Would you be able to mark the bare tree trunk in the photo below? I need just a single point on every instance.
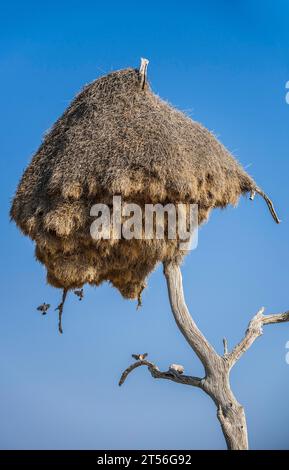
(216, 382)
(230, 413)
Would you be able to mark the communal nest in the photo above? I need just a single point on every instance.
(118, 138)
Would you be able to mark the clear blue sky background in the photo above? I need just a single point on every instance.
(226, 64)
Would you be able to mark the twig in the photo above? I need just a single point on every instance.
(225, 344)
(60, 310)
(143, 72)
(269, 204)
(139, 301)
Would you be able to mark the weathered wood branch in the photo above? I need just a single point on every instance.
(275, 318)
(157, 374)
(254, 330)
(268, 202)
(187, 326)
(143, 71)
(225, 344)
(216, 382)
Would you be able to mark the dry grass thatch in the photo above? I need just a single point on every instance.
(118, 138)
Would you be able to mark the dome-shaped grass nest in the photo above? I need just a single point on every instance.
(118, 138)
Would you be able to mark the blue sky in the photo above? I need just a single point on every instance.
(226, 64)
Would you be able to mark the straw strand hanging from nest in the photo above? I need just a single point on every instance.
(60, 310)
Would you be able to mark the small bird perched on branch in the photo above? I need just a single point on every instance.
(177, 368)
(43, 308)
(139, 357)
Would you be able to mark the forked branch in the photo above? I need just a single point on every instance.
(254, 330)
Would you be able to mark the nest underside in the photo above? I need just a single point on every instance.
(73, 257)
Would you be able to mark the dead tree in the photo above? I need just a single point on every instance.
(215, 383)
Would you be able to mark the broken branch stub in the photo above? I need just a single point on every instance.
(143, 72)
